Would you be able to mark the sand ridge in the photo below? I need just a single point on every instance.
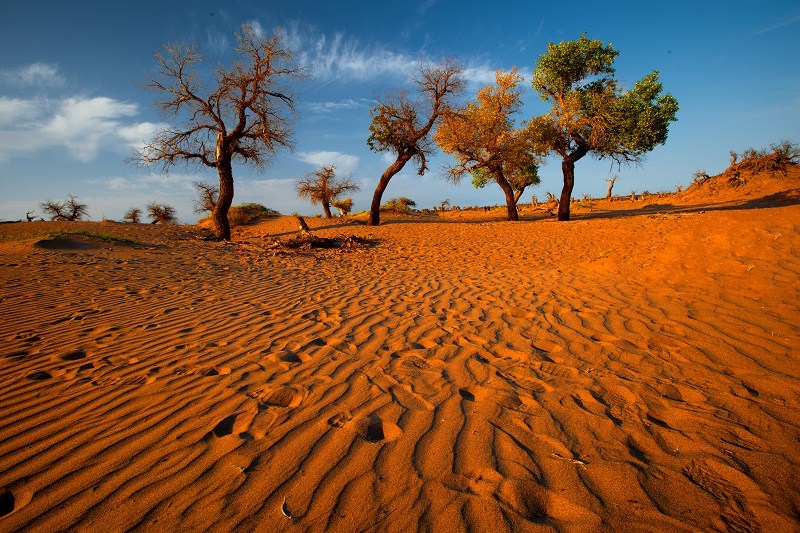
(634, 369)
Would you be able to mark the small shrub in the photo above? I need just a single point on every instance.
(400, 205)
(241, 215)
(161, 213)
(700, 176)
(133, 216)
(70, 209)
(344, 206)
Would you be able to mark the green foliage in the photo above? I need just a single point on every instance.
(518, 178)
(399, 205)
(568, 63)
(590, 112)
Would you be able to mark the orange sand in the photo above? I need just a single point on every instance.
(636, 369)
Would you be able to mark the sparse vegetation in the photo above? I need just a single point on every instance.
(774, 159)
(161, 213)
(68, 210)
(133, 215)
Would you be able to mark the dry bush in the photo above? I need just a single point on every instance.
(161, 213)
(70, 209)
(241, 215)
(344, 206)
(399, 205)
(133, 216)
(774, 160)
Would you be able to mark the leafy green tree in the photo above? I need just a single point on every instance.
(245, 115)
(401, 125)
(591, 113)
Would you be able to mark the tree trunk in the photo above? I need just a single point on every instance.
(220, 214)
(511, 201)
(610, 187)
(518, 195)
(327, 208)
(375, 209)
(568, 169)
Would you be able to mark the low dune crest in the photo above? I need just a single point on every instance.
(634, 369)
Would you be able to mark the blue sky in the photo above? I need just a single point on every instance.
(72, 103)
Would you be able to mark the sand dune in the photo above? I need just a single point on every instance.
(634, 369)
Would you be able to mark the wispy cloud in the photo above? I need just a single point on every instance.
(790, 20)
(345, 163)
(329, 107)
(81, 125)
(33, 75)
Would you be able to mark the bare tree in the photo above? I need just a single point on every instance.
(161, 213)
(402, 125)
(207, 195)
(245, 116)
(322, 187)
(134, 215)
(70, 209)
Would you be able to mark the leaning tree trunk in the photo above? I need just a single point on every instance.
(511, 201)
(220, 214)
(327, 208)
(375, 209)
(568, 169)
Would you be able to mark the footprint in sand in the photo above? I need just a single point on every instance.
(74, 355)
(339, 420)
(215, 371)
(290, 396)
(376, 430)
(40, 375)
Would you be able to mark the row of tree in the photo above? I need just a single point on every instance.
(248, 113)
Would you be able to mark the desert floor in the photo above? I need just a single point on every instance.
(637, 368)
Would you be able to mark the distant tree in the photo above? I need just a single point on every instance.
(244, 116)
(591, 114)
(611, 181)
(322, 187)
(399, 205)
(207, 195)
(344, 206)
(134, 215)
(482, 137)
(70, 209)
(401, 125)
(161, 213)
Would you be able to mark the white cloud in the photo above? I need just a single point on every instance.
(81, 125)
(479, 75)
(338, 57)
(328, 107)
(16, 109)
(33, 75)
(345, 163)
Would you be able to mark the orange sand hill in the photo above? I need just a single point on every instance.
(636, 369)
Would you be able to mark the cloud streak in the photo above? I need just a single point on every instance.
(345, 163)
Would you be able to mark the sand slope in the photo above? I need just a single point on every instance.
(634, 369)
